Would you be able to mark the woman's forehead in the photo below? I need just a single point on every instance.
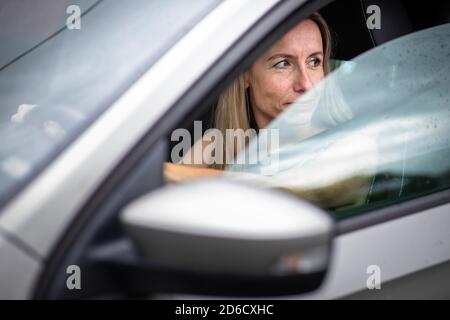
(304, 38)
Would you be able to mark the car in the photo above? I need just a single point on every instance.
(89, 100)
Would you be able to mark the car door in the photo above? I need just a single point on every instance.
(95, 231)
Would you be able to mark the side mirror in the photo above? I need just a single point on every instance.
(232, 239)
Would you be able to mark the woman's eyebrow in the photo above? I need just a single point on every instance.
(281, 55)
(287, 55)
(316, 53)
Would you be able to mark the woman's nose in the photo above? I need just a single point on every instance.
(302, 82)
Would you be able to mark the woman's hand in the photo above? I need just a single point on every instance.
(179, 173)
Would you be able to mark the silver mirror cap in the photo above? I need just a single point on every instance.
(220, 227)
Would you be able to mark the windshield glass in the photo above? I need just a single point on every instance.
(376, 131)
(58, 73)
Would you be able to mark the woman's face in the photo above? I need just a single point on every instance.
(285, 72)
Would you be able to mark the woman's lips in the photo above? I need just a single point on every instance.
(301, 102)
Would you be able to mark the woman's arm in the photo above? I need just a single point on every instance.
(179, 173)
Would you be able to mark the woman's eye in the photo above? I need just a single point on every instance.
(315, 62)
(282, 64)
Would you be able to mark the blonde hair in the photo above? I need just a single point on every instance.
(232, 107)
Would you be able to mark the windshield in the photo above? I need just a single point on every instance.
(376, 131)
(57, 73)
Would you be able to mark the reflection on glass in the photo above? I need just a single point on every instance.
(378, 133)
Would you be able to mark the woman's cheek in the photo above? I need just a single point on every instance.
(317, 77)
(275, 96)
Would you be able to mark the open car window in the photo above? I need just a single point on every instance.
(374, 132)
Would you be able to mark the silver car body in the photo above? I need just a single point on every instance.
(33, 222)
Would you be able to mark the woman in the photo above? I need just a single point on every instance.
(279, 77)
(333, 173)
